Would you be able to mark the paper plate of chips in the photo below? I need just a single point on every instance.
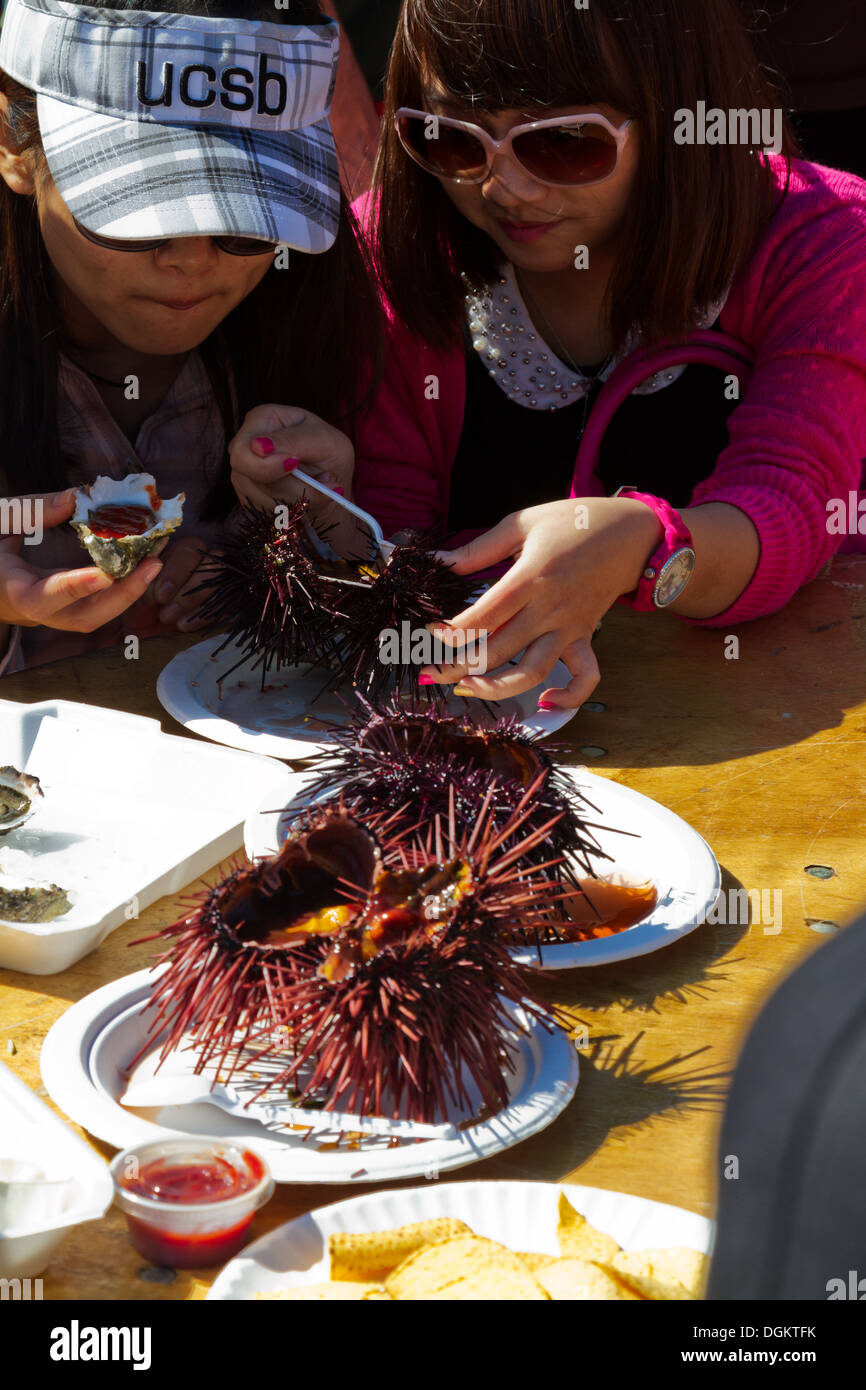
(479, 1241)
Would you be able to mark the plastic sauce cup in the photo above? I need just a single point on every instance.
(189, 1202)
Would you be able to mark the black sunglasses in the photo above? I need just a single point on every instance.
(232, 245)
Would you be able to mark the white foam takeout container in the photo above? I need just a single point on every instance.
(129, 814)
(51, 1180)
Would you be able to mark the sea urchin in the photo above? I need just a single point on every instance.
(284, 604)
(420, 760)
(374, 969)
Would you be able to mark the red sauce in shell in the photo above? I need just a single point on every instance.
(112, 521)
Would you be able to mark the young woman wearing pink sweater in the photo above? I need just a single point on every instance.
(523, 263)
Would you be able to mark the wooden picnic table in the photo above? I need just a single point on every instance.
(763, 753)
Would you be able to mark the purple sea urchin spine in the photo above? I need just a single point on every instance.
(282, 605)
(414, 1004)
(414, 589)
(265, 590)
(417, 759)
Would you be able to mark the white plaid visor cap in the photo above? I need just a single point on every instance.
(168, 125)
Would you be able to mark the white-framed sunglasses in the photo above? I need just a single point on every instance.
(563, 151)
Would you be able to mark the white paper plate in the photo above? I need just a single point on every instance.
(669, 854)
(84, 1052)
(280, 721)
(521, 1215)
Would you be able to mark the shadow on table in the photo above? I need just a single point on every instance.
(688, 969)
(675, 695)
(617, 1096)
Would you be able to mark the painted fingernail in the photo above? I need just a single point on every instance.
(265, 444)
(163, 592)
(545, 705)
(170, 614)
(341, 490)
(426, 680)
(289, 465)
(461, 689)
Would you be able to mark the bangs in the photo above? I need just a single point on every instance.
(499, 55)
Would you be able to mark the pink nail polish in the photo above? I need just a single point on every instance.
(289, 465)
(545, 706)
(341, 490)
(265, 444)
(426, 680)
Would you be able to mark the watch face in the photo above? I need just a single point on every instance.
(674, 575)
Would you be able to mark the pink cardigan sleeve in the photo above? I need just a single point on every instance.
(798, 439)
(406, 443)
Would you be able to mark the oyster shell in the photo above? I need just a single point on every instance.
(32, 902)
(121, 522)
(18, 791)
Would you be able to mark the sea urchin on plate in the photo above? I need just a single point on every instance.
(375, 968)
(283, 603)
(420, 761)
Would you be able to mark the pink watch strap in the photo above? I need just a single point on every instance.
(676, 537)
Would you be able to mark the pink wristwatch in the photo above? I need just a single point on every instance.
(671, 566)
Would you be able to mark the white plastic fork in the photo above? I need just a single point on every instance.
(385, 548)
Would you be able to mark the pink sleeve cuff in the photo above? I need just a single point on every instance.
(785, 540)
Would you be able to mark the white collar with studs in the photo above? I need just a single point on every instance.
(525, 367)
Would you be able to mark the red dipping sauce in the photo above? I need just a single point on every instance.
(189, 1203)
(111, 521)
(196, 1182)
(186, 1252)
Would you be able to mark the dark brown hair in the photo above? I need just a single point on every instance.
(696, 211)
(307, 335)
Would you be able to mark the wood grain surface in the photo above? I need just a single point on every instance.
(764, 754)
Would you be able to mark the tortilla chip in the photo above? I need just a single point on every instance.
(675, 1273)
(578, 1239)
(432, 1269)
(571, 1279)
(682, 1265)
(343, 1293)
(373, 1255)
(494, 1284)
(534, 1261)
